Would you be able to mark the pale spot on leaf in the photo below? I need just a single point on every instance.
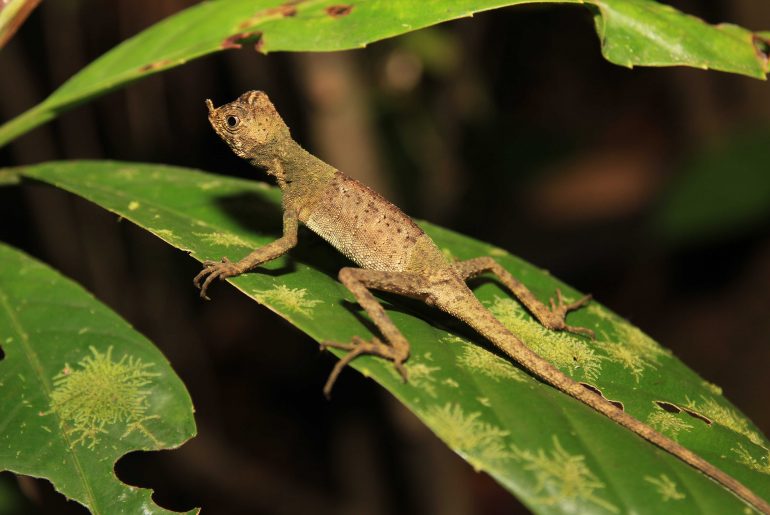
(628, 357)
(290, 299)
(166, 234)
(761, 465)
(561, 349)
(421, 376)
(713, 388)
(126, 173)
(209, 185)
(479, 442)
(668, 423)
(101, 394)
(133, 205)
(224, 239)
(665, 487)
(727, 417)
(450, 383)
(484, 362)
(562, 477)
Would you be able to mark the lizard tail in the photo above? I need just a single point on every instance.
(473, 313)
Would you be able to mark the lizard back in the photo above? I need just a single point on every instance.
(364, 226)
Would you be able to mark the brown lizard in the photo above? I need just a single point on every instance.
(394, 255)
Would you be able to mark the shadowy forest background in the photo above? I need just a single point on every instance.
(649, 188)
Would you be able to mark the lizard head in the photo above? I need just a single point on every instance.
(250, 125)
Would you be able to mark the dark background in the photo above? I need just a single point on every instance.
(508, 126)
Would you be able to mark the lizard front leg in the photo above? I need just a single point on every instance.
(552, 318)
(395, 348)
(226, 268)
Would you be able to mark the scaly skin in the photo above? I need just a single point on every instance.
(397, 256)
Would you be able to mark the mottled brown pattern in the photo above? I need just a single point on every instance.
(377, 235)
(396, 256)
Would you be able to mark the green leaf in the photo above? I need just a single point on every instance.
(12, 16)
(553, 452)
(720, 193)
(80, 388)
(632, 32)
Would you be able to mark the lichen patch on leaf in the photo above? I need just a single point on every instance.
(713, 388)
(210, 185)
(497, 251)
(166, 234)
(562, 477)
(561, 349)
(127, 173)
(629, 347)
(629, 335)
(101, 394)
(480, 443)
(665, 487)
(640, 342)
(224, 239)
(448, 381)
(628, 357)
(669, 423)
(484, 362)
(421, 376)
(291, 299)
(727, 417)
(761, 465)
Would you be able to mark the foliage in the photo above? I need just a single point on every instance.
(80, 388)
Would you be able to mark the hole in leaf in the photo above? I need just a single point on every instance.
(152, 470)
(697, 415)
(592, 388)
(761, 46)
(598, 392)
(243, 38)
(2, 353)
(667, 406)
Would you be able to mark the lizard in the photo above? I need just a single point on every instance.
(394, 255)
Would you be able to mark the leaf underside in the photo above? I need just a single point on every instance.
(554, 453)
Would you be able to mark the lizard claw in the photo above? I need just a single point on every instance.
(213, 270)
(358, 347)
(559, 310)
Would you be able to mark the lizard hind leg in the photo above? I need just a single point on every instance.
(394, 346)
(552, 318)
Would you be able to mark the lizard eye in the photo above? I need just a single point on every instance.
(232, 121)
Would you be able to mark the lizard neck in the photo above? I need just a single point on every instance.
(292, 166)
(302, 177)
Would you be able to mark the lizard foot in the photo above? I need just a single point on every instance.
(558, 314)
(358, 347)
(213, 270)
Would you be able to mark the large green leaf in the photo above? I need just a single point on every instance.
(80, 388)
(553, 452)
(633, 33)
